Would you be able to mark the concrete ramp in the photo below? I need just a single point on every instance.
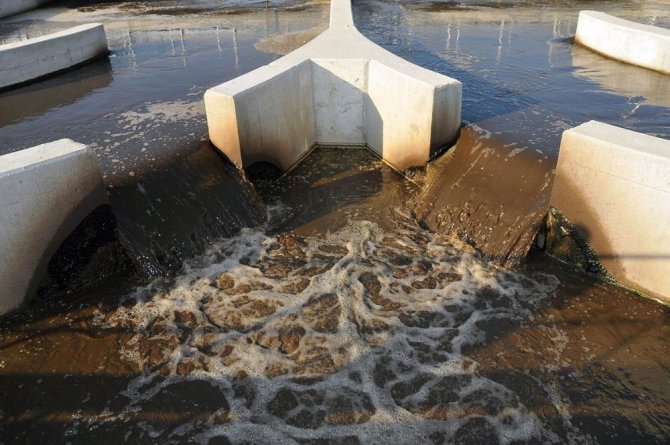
(339, 89)
(45, 192)
(614, 186)
(630, 42)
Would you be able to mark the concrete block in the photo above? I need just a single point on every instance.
(614, 185)
(45, 192)
(35, 58)
(11, 7)
(359, 94)
(630, 42)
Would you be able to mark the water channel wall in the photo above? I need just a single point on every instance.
(45, 192)
(339, 89)
(34, 58)
(630, 42)
(11, 7)
(614, 186)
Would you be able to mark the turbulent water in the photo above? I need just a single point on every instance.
(362, 334)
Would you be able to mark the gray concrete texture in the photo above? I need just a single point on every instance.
(614, 186)
(34, 58)
(630, 42)
(11, 7)
(45, 192)
(339, 89)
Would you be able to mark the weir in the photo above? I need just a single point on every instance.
(339, 89)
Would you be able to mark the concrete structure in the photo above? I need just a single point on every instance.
(339, 89)
(614, 185)
(45, 192)
(630, 42)
(11, 7)
(34, 58)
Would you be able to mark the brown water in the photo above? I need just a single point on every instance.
(353, 315)
(361, 332)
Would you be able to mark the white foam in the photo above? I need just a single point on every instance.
(432, 294)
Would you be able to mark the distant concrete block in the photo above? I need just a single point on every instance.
(34, 58)
(11, 7)
(339, 89)
(614, 186)
(45, 192)
(630, 42)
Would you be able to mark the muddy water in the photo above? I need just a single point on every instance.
(345, 318)
(368, 330)
(524, 83)
(141, 111)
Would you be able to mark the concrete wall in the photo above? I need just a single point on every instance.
(630, 42)
(360, 94)
(265, 115)
(11, 7)
(45, 192)
(614, 185)
(34, 58)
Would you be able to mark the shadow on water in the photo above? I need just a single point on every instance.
(38, 98)
(333, 185)
(207, 199)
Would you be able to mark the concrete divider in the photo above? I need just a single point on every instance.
(45, 192)
(339, 89)
(34, 58)
(630, 42)
(11, 7)
(614, 186)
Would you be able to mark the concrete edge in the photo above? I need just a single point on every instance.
(615, 190)
(13, 7)
(230, 120)
(45, 192)
(630, 42)
(29, 60)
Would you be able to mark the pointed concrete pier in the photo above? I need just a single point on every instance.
(339, 89)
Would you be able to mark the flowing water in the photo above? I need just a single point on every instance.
(349, 310)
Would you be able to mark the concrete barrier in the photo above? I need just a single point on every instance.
(339, 89)
(614, 186)
(11, 7)
(45, 192)
(35, 58)
(630, 42)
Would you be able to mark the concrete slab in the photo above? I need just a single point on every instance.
(630, 42)
(339, 89)
(614, 186)
(34, 58)
(11, 7)
(45, 192)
